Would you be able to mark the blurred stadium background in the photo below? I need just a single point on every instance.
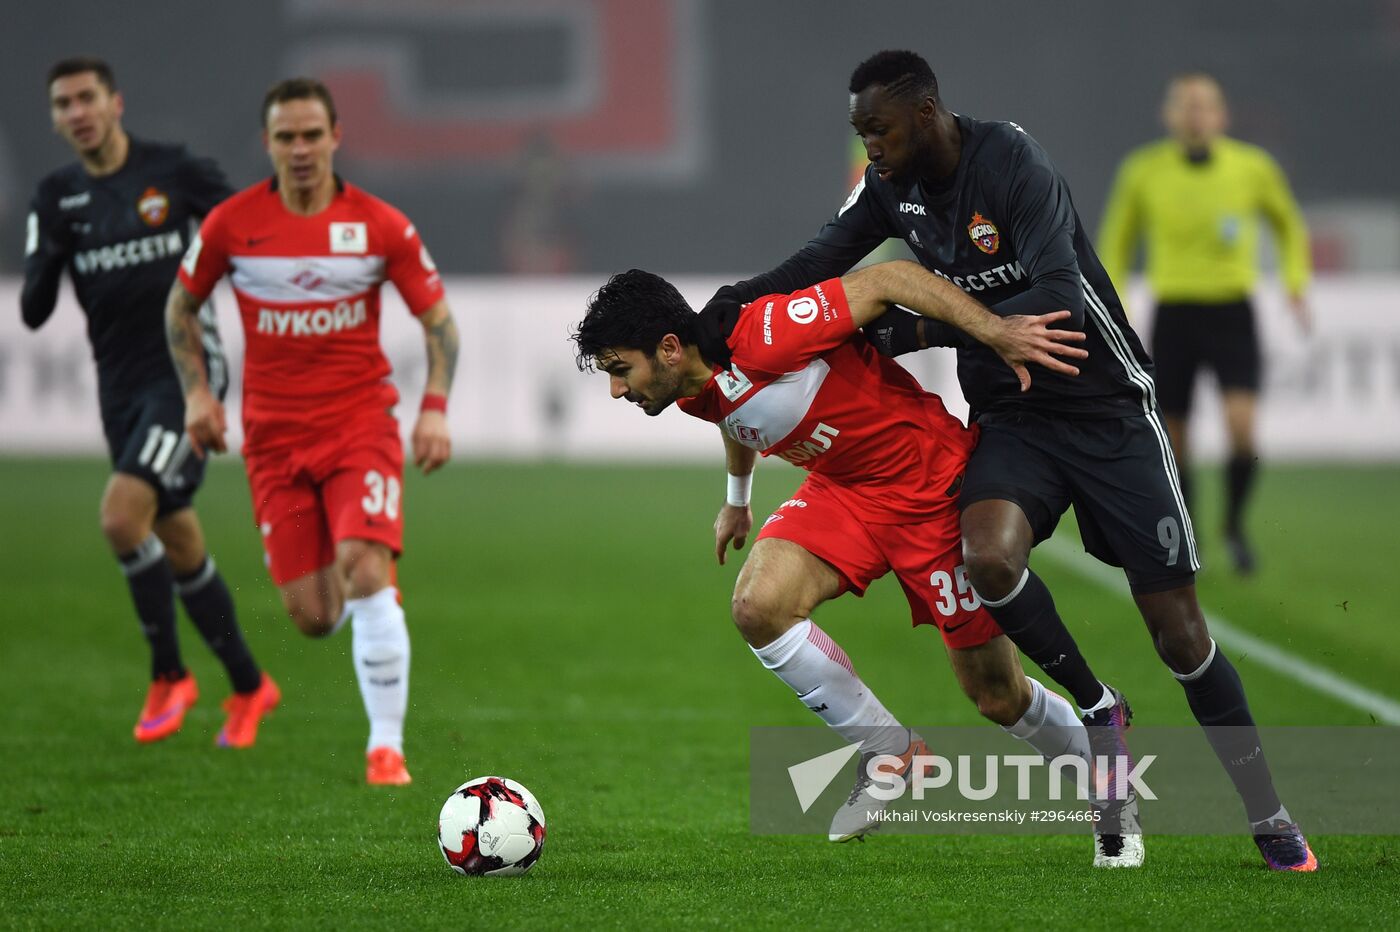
(555, 142)
(540, 145)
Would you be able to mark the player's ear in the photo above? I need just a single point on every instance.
(118, 104)
(928, 111)
(670, 350)
(336, 132)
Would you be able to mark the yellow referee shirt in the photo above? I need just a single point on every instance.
(1199, 222)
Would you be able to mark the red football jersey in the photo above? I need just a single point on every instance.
(803, 385)
(308, 295)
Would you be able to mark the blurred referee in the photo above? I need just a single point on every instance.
(1194, 201)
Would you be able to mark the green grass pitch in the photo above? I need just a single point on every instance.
(570, 629)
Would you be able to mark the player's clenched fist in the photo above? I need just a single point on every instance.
(205, 422)
(432, 446)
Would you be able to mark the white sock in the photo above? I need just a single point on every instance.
(380, 647)
(344, 617)
(1280, 816)
(818, 670)
(1052, 727)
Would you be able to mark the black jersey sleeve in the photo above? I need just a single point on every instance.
(850, 236)
(46, 251)
(205, 184)
(858, 227)
(1042, 224)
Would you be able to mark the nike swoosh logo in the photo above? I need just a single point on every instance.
(162, 718)
(951, 628)
(379, 663)
(253, 241)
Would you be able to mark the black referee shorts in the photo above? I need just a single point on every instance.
(1119, 475)
(1186, 337)
(146, 438)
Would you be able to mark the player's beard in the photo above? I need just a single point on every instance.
(665, 389)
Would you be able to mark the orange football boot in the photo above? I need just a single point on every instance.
(167, 701)
(385, 767)
(245, 712)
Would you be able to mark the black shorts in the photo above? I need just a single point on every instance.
(1119, 475)
(146, 438)
(1186, 337)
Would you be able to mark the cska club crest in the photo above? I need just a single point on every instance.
(153, 207)
(984, 234)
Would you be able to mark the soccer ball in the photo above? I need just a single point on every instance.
(492, 826)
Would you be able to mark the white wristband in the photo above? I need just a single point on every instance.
(738, 492)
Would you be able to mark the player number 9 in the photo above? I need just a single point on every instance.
(1169, 536)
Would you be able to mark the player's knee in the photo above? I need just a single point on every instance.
(1178, 630)
(312, 617)
(760, 617)
(364, 566)
(185, 556)
(999, 703)
(123, 530)
(993, 568)
(1181, 651)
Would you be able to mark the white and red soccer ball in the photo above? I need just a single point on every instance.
(492, 826)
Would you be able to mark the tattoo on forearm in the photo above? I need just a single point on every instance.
(183, 334)
(442, 354)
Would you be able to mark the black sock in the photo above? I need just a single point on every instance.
(210, 607)
(150, 580)
(1029, 618)
(1239, 479)
(1217, 699)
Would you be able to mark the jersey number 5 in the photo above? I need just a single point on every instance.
(809, 449)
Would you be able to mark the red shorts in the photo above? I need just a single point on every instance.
(926, 557)
(310, 497)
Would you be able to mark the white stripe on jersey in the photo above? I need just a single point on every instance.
(855, 196)
(1113, 336)
(306, 278)
(777, 408)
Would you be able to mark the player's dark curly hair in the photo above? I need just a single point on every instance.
(82, 65)
(634, 310)
(904, 75)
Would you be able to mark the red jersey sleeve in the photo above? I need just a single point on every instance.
(783, 333)
(407, 263)
(206, 261)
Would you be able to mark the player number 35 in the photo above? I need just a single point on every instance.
(381, 495)
(954, 591)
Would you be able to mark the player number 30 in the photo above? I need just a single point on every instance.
(382, 495)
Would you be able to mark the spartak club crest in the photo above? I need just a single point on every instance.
(153, 207)
(984, 234)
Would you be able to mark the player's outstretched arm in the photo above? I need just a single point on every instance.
(184, 334)
(1018, 340)
(432, 444)
(735, 519)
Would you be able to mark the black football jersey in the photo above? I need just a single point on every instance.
(121, 238)
(1004, 229)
